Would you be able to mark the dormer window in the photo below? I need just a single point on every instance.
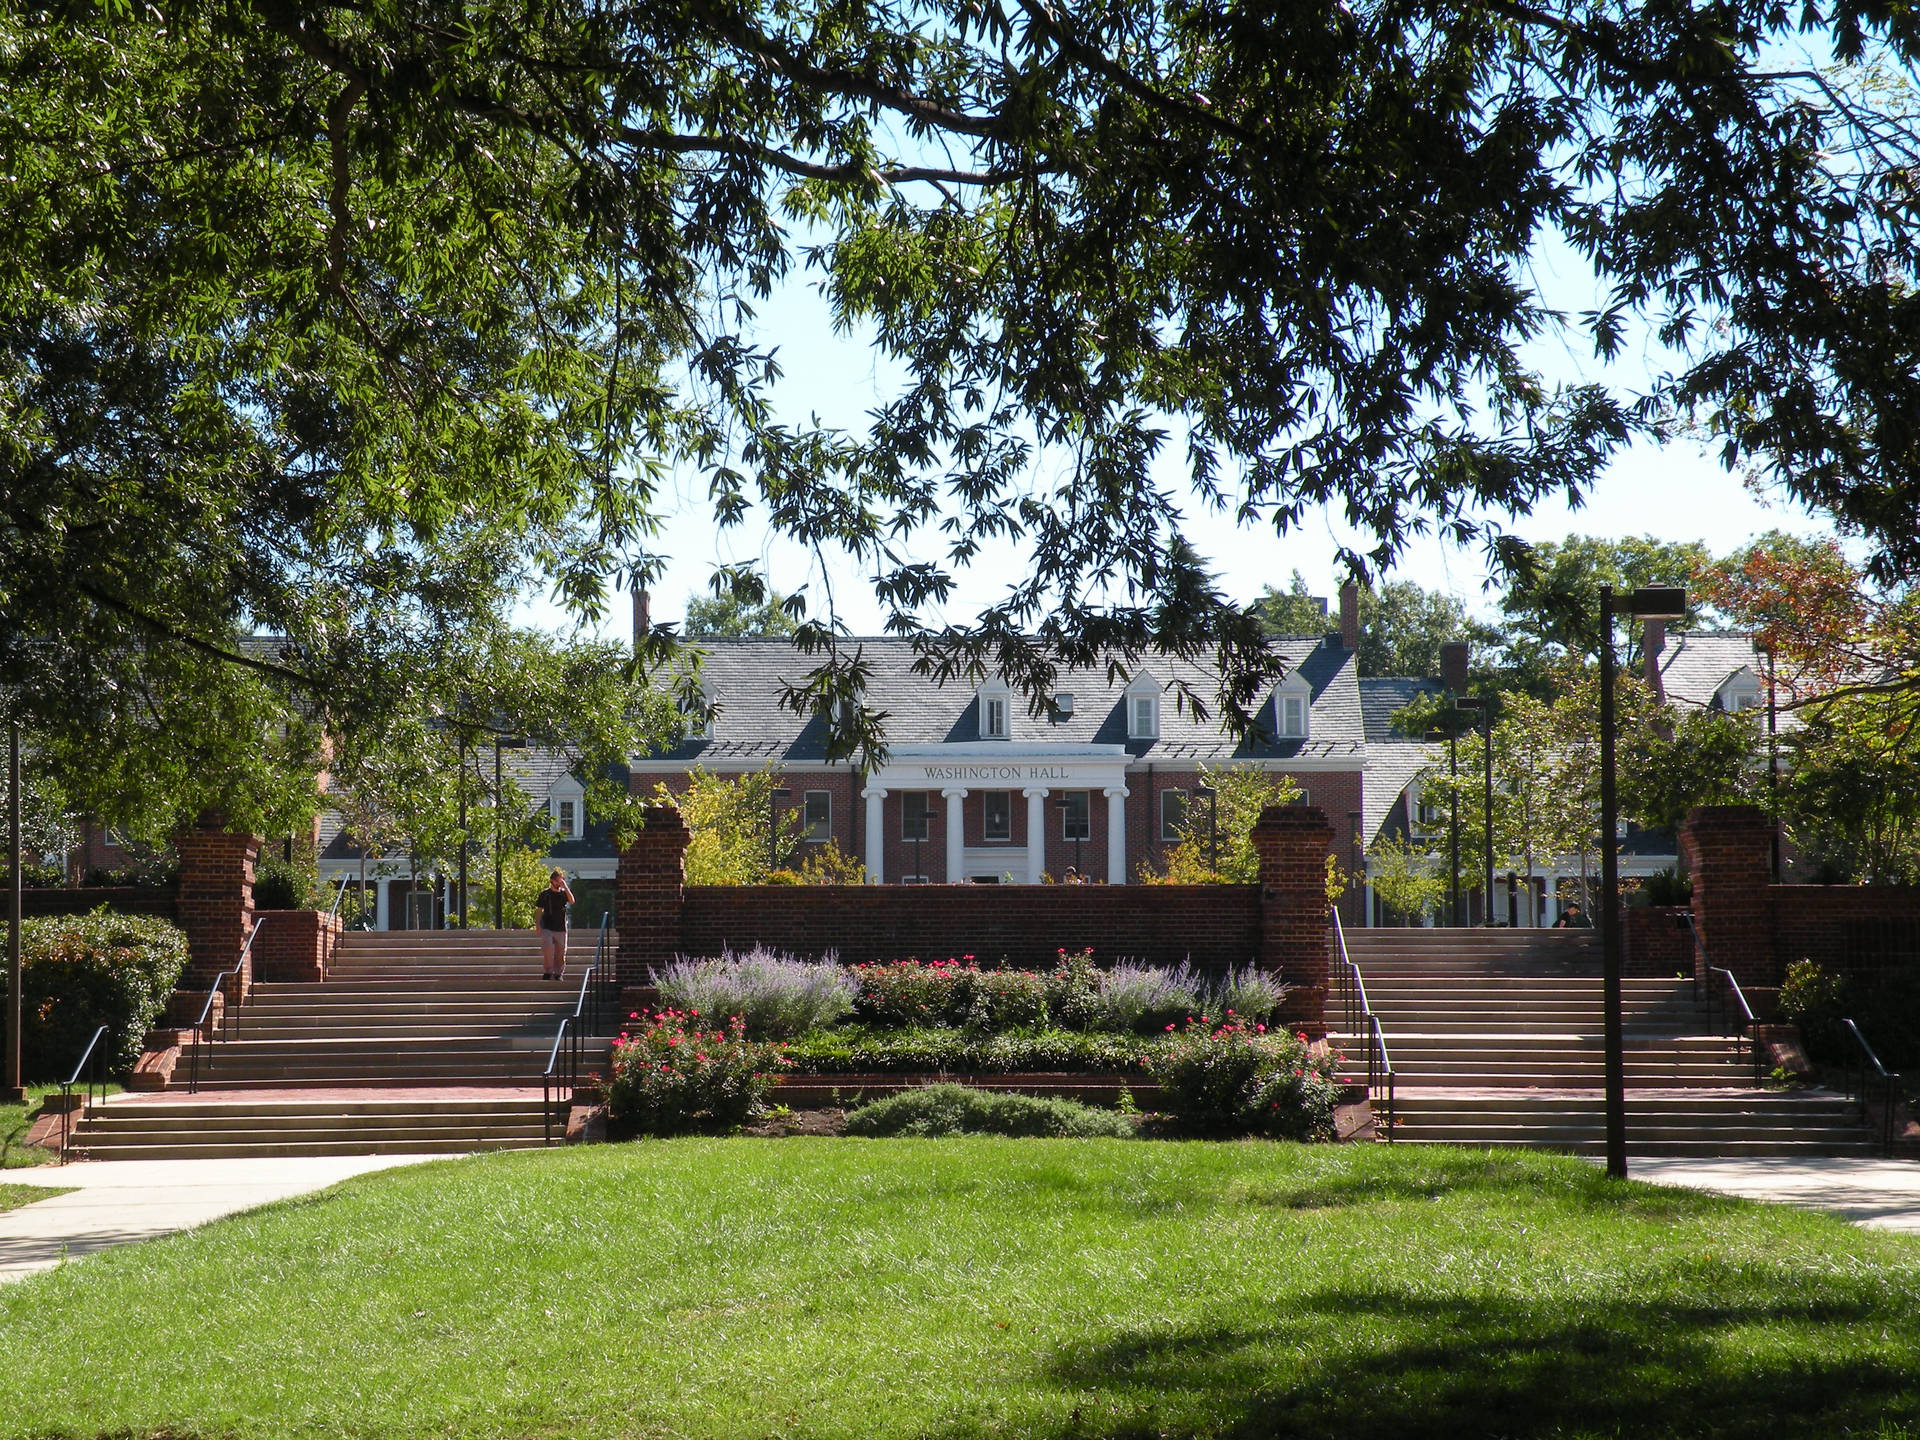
(996, 711)
(1143, 708)
(1292, 708)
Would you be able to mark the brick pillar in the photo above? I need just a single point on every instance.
(215, 903)
(1728, 851)
(648, 893)
(1293, 842)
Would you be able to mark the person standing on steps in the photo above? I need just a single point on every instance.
(552, 925)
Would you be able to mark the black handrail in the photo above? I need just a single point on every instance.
(1748, 1028)
(66, 1088)
(1872, 1074)
(229, 1016)
(1360, 1020)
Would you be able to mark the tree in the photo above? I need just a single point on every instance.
(1851, 799)
(750, 610)
(736, 838)
(1203, 856)
(337, 301)
(1551, 607)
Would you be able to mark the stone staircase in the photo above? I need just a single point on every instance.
(1496, 1038)
(418, 1042)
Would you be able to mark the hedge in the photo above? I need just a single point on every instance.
(83, 971)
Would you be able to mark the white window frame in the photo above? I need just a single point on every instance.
(1291, 692)
(824, 831)
(986, 828)
(1086, 816)
(926, 810)
(1169, 829)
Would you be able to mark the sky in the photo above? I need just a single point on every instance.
(1673, 492)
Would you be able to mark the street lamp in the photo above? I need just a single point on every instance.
(1452, 737)
(1212, 794)
(774, 797)
(1659, 603)
(1478, 705)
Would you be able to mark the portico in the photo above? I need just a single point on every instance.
(999, 771)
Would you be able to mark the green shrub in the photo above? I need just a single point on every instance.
(857, 1050)
(961, 1110)
(282, 884)
(1243, 1080)
(83, 971)
(669, 1078)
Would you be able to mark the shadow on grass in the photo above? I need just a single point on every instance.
(1421, 1369)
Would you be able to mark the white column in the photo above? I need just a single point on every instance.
(956, 835)
(1036, 835)
(1117, 835)
(876, 836)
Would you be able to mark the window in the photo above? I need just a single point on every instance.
(996, 814)
(916, 815)
(1293, 717)
(817, 816)
(1173, 813)
(1074, 824)
(1144, 720)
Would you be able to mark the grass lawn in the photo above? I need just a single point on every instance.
(12, 1197)
(948, 1288)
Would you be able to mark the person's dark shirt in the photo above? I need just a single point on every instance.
(553, 909)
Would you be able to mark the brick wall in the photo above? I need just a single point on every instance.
(215, 900)
(1654, 940)
(1280, 923)
(294, 945)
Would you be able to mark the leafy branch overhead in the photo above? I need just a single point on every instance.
(339, 320)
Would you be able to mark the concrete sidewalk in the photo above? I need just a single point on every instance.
(1877, 1194)
(115, 1202)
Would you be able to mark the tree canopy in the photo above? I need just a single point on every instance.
(336, 319)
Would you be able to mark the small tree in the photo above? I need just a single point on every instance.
(735, 838)
(1200, 857)
(1407, 877)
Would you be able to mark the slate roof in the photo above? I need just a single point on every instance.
(744, 678)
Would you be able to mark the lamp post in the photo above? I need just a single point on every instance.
(1065, 802)
(1452, 737)
(1479, 705)
(774, 797)
(1213, 826)
(500, 742)
(11, 1088)
(1662, 603)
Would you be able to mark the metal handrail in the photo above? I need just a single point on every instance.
(1749, 1027)
(1360, 1019)
(1886, 1080)
(229, 1017)
(66, 1088)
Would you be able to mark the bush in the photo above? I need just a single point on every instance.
(1147, 997)
(777, 995)
(1250, 994)
(961, 1110)
(282, 884)
(670, 1078)
(920, 1048)
(1237, 1079)
(83, 971)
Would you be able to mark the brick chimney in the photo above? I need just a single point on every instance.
(1350, 615)
(1653, 639)
(642, 618)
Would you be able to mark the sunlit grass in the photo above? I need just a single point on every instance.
(907, 1288)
